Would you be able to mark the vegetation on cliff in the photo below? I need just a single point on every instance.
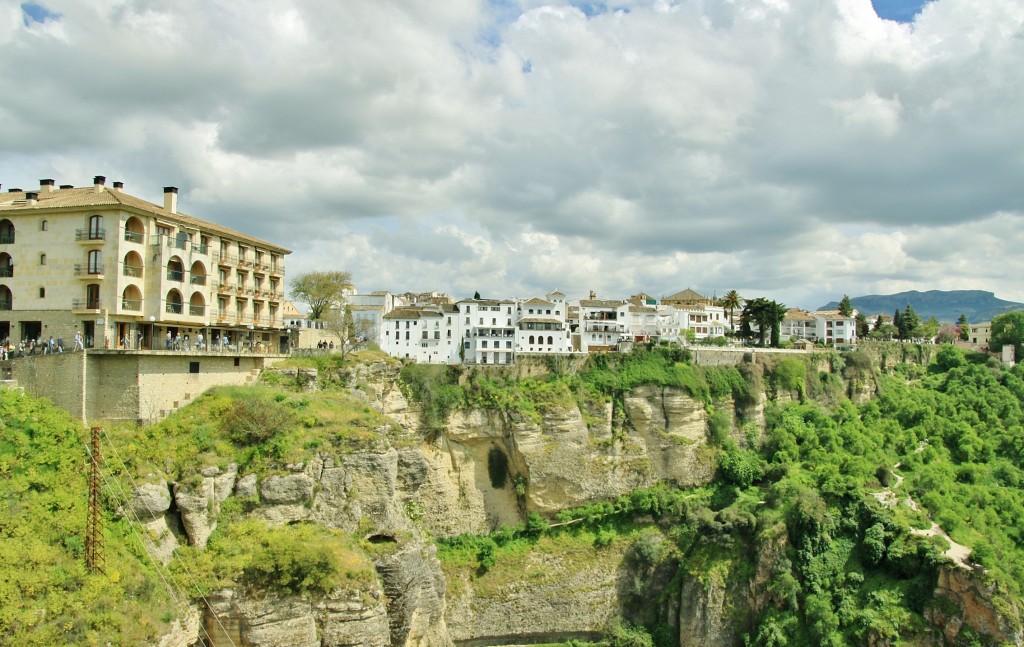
(47, 597)
(821, 531)
(816, 530)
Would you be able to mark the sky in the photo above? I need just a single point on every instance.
(794, 149)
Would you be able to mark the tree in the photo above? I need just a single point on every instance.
(910, 324)
(731, 302)
(863, 327)
(964, 326)
(321, 291)
(846, 306)
(928, 329)
(1008, 330)
(476, 295)
(765, 315)
(897, 321)
(350, 332)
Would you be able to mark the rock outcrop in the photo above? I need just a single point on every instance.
(965, 600)
(150, 505)
(339, 619)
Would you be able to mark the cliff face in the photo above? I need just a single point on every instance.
(399, 493)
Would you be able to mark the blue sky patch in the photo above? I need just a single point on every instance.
(36, 13)
(899, 10)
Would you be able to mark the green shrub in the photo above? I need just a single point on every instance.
(294, 559)
(255, 419)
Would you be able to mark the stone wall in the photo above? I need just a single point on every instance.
(131, 385)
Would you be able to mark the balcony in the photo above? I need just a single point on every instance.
(132, 305)
(174, 308)
(201, 249)
(7, 271)
(175, 275)
(5, 305)
(277, 269)
(197, 311)
(7, 239)
(223, 287)
(133, 271)
(133, 237)
(86, 304)
(89, 271)
(90, 235)
(226, 259)
(198, 280)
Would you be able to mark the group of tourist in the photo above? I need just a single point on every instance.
(37, 346)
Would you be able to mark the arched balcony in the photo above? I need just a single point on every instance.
(6, 232)
(131, 299)
(173, 302)
(197, 305)
(198, 274)
(175, 270)
(6, 265)
(132, 265)
(6, 298)
(134, 230)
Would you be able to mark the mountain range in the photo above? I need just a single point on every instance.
(944, 305)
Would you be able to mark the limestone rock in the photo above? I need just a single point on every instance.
(293, 488)
(200, 504)
(415, 590)
(246, 487)
(977, 605)
(183, 631)
(149, 501)
(554, 597)
(286, 499)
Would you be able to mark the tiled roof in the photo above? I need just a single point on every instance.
(795, 314)
(686, 295)
(600, 303)
(537, 302)
(78, 198)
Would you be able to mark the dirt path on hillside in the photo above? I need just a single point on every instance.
(958, 553)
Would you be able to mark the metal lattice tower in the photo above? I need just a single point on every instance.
(94, 522)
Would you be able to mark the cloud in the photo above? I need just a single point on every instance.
(796, 148)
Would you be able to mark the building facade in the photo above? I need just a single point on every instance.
(122, 272)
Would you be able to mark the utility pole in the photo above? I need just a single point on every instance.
(93, 525)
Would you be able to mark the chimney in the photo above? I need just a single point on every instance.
(171, 199)
(118, 186)
(31, 197)
(98, 182)
(45, 186)
(593, 295)
(67, 186)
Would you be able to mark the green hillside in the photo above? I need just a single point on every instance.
(815, 531)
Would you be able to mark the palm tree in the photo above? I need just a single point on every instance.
(732, 301)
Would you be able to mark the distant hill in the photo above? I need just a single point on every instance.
(945, 305)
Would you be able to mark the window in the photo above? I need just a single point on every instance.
(42, 259)
(483, 344)
(95, 227)
(44, 225)
(42, 293)
(95, 262)
(508, 344)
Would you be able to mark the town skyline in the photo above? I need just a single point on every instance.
(790, 149)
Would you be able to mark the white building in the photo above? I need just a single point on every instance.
(428, 334)
(488, 330)
(542, 326)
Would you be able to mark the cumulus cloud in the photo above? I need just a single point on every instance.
(795, 148)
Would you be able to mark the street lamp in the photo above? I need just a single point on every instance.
(152, 332)
(209, 337)
(252, 345)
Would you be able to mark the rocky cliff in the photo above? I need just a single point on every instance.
(399, 494)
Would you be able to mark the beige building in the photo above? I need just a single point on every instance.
(124, 272)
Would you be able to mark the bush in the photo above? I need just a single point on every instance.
(255, 419)
(294, 559)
